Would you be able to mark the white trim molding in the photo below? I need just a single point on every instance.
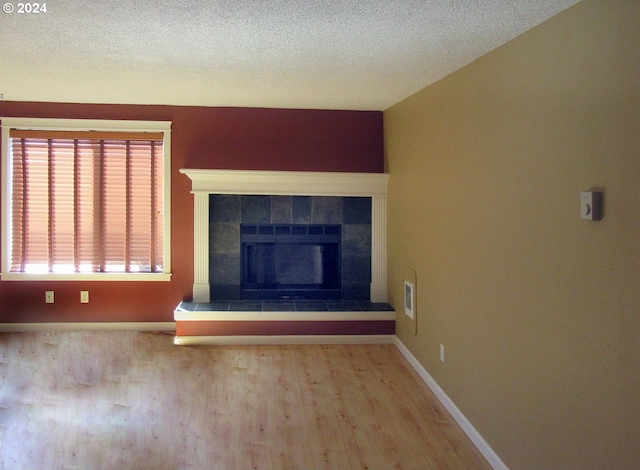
(281, 339)
(287, 183)
(379, 248)
(468, 428)
(201, 285)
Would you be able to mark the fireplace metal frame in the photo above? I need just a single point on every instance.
(254, 237)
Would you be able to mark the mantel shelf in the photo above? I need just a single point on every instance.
(290, 183)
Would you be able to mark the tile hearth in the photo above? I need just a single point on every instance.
(206, 320)
(285, 306)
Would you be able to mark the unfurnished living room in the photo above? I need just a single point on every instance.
(340, 234)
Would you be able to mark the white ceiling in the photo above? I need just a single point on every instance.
(324, 54)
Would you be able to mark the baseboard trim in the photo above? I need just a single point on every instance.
(77, 326)
(473, 434)
(283, 339)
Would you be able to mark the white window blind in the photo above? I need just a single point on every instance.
(87, 202)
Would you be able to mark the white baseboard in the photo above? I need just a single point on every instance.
(282, 339)
(95, 326)
(482, 445)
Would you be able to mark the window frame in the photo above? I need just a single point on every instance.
(50, 124)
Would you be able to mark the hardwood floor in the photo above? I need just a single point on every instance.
(127, 400)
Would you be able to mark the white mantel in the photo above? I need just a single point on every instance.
(288, 183)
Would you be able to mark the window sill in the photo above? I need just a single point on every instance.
(140, 277)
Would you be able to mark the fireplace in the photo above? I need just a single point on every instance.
(259, 241)
(290, 261)
(300, 186)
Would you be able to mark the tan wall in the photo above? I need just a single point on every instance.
(538, 310)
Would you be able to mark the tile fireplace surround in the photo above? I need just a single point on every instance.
(285, 183)
(259, 247)
(207, 321)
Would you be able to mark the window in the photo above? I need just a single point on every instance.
(85, 199)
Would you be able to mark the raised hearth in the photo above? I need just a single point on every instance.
(284, 322)
(202, 322)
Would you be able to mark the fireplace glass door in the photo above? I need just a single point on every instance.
(290, 261)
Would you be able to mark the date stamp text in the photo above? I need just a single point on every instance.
(25, 8)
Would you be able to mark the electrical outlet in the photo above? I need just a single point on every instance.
(442, 352)
(84, 296)
(48, 297)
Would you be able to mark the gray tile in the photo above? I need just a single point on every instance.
(224, 238)
(375, 307)
(356, 269)
(311, 306)
(277, 306)
(280, 209)
(213, 307)
(326, 210)
(224, 208)
(225, 292)
(356, 291)
(189, 306)
(301, 209)
(343, 305)
(356, 240)
(357, 210)
(245, 305)
(224, 269)
(255, 209)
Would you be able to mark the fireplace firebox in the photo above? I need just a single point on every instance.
(290, 261)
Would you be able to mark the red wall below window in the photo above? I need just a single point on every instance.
(221, 138)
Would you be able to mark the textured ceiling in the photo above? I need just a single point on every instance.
(325, 54)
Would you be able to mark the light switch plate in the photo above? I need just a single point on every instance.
(591, 205)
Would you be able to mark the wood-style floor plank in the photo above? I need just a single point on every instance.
(104, 400)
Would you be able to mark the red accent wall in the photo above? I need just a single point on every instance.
(278, 328)
(202, 137)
